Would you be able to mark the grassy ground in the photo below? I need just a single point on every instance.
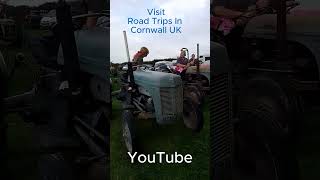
(23, 153)
(308, 146)
(170, 139)
(22, 150)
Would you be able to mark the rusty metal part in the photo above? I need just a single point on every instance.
(145, 116)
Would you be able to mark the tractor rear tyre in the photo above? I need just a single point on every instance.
(192, 114)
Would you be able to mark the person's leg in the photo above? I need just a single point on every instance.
(183, 74)
(233, 42)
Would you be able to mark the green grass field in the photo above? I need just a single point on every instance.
(152, 138)
(23, 153)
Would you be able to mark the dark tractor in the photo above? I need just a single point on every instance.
(258, 95)
(70, 104)
(196, 79)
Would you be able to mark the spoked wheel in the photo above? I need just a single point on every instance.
(128, 131)
(192, 115)
(101, 120)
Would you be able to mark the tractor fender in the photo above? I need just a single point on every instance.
(313, 47)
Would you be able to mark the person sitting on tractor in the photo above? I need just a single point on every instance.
(193, 61)
(138, 57)
(92, 6)
(229, 20)
(182, 64)
(233, 9)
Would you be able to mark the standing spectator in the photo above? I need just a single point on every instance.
(240, 11)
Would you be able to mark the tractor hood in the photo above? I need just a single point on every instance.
(93, 51)
(156, 79)
(300, 23)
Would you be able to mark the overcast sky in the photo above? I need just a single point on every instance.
(30, 2)
(195, 28)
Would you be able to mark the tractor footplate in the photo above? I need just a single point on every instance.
(145, 116)
(127, 107)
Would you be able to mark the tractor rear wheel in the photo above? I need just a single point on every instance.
(194, 93)
(192, 114)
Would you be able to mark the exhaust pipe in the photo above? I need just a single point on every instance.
(198, 62)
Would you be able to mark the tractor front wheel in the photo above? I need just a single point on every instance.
(128, 131)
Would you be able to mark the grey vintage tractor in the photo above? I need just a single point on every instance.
(259, 93)
(158, 96)
(70, 103)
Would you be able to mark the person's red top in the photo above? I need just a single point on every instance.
(138, 58)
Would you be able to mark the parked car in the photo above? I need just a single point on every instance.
(48, 20)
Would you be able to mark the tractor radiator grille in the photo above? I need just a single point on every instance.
(220, 119)
(171, 102)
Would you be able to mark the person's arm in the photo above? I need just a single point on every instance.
(225, 12)
(181, 65)
(192, 62)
